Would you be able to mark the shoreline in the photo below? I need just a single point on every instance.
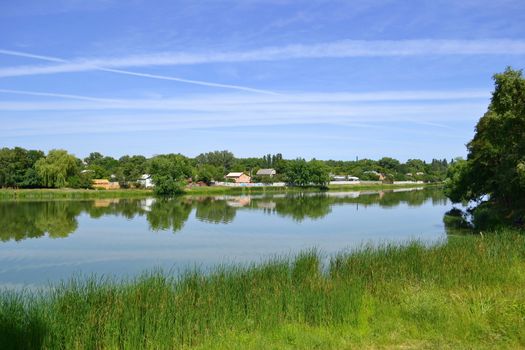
(66, 193)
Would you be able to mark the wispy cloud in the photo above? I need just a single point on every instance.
(89, 66)
(430, 109)
(337, 49)
(52, 94)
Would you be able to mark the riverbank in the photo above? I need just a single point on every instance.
(68, 193)
(465, 293)
(6, 194)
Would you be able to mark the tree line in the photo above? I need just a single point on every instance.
(21, 168)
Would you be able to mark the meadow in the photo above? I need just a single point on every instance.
(466, 292)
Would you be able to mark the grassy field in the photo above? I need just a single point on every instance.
(466, 293)
(6, 194)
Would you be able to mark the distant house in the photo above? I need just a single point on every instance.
(238, 177)
(266, 172)
(146, 181)
(105, 184)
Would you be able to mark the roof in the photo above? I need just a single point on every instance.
(235, 174)
(266, 172)
(145, 176)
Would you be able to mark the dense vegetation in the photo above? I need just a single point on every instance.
(465, 293)
(20, 168)
(494, 173)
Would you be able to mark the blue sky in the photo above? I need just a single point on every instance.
(324, 79)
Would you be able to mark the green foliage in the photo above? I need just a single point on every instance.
(102, 166)
(223, 159)
(170, 173)
(496, 154)
(82, 180)
(131, 168)
(17, 167)
(208, 173)
(56, 168)
(302, 173)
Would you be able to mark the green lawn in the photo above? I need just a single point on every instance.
(467, 293)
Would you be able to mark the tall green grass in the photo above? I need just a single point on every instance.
(465, 293)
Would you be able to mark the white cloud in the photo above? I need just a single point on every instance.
(429, 109)
(337, 49)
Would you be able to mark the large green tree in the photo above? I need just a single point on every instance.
(17, 167)
(169, 173)
(495, 166)
(56, 168)
(302, 173)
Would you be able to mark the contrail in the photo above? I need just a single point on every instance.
(29, 55)
(138, 74)
(52, 94)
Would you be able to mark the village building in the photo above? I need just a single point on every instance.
(104, 184)
(238, 177)
(146, 181)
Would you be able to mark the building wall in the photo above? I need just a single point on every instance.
(243, 179)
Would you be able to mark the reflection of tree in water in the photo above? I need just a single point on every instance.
(21, 220)
(302, 206)
(169, 213)
(214, 211)
(58, 219)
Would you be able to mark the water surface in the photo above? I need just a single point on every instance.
(47, 241)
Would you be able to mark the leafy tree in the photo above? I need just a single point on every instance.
(102, 166)
(208, 173)
(224, 159)
(298, 172)
(319, 173)
(17, 167)
(56, 168)
(389, 164)
(169, 173)
(302, 173)
(496, 155)
(131, 168)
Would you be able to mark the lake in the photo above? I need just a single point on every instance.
(49, 241)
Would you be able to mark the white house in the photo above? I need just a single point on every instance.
(146, 181)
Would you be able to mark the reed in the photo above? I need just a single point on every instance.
(464, 293)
